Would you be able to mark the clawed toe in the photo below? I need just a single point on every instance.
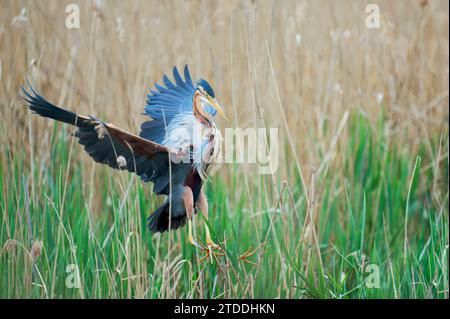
(195, 243)
(211, 250)
(248, 253)
(212, 245)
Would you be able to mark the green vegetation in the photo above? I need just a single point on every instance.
(362, 178)
(376, 202)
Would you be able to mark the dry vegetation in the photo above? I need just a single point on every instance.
(325, 62)
(311, 68)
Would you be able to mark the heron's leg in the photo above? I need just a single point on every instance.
(188, 199)
(202, 205)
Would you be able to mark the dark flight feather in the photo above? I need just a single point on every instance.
(106, 143)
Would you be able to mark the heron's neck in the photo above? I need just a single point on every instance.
(199, 114)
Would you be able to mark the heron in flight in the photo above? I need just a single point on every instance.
(174, 150)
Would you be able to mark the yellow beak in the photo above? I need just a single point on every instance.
(216, 106)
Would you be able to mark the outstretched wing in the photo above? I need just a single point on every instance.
(169, 101)
(108, 144)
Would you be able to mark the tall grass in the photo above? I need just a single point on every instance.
(359, 215)
(363, 164)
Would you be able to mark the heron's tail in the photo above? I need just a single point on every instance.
(39, 105)
(158, 221)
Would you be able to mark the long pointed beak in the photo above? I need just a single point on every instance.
(216, 106)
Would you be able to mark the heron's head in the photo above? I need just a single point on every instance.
(206, 106)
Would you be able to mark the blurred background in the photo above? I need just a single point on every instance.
(355, 108)
(311, 61)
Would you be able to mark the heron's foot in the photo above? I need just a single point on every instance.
(212, 251)
(212, 245)
(194, 242)
(248, 253)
